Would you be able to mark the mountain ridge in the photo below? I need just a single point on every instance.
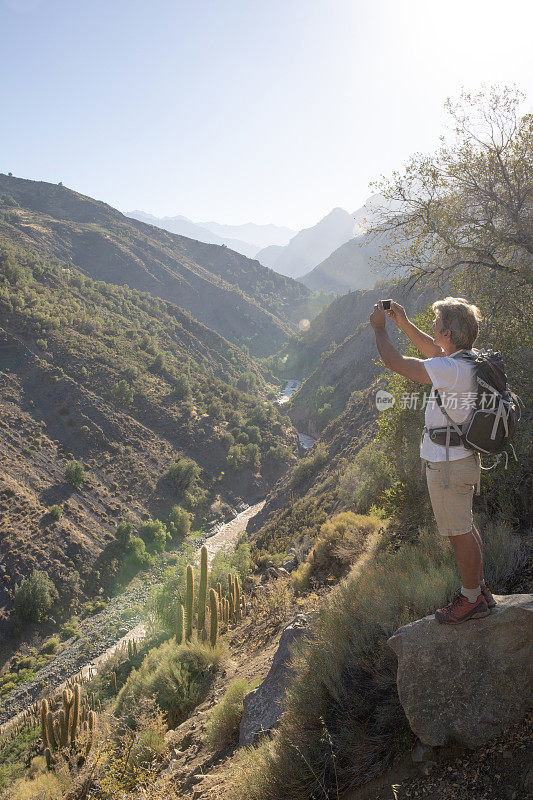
(243, 300)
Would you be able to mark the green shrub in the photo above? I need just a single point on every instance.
(176, 676)
(341, 540)
(223, 725)
(122, 393)
(179, 522)
(137, 555)
(308, 466)
(155, 535)
(51, 645)
(74, 474)
(238, 560)
(164, 600)
(124, 533)
(183, 473)
(55, 511)
(70, 628)
(236, 457)
(34, 597)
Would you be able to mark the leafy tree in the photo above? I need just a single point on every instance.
(123, 533)
(469, 205)
(179, 522)
(182, 388)
(155, 535)
(34, 597)
(122, 393)
(136, 550)
(253, 455)
(236, 456)
(74, 473)
(183, 473)
(254, 434)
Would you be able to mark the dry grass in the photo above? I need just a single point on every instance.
(341, 541)
(343, 723)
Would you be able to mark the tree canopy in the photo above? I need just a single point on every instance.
(469, 206)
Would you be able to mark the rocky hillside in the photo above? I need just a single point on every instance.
(309, 492)
(242, 300)
(124, 385)
(337, 355)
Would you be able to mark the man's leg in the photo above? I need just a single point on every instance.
(480, 543)
(468, 557)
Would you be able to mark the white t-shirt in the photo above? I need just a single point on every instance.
(454, 378)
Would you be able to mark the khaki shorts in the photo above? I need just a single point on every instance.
(452, 505)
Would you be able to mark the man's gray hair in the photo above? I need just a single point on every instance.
(461, 318)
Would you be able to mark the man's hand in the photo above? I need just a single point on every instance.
(397, 314)
(378, 316)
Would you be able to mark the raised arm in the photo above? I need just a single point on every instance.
(409, 367)
(421, 340)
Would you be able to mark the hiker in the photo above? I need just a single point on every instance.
(451, 471)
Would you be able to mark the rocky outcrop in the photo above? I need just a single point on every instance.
(264, 706)
(462, 684)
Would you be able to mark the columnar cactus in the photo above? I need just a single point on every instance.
(61, 733)
(50, 732)
(237, 597)
(189, 603)
(219, 590)
(226, 611)
(75, 715)
(180, 625)
(63, 728)
(92, 729)
(44, 723)
(202, 591)
(213, 609)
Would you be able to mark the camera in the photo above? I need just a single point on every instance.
(386, 304)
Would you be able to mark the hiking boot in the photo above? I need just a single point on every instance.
(487, 594)
(459, 610)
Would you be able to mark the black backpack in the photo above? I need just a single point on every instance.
(496, 413)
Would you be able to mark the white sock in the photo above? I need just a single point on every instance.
(471, 594)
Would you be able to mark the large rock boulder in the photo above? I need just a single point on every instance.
(264, 706)
(464, 683)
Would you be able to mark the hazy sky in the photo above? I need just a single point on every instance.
(237, 111)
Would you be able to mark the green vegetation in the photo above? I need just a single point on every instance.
(307, 466)
(177, 676)
(155, 535)
(122, 393)
(106, 337)
(341, 541)
(124, 533)
(51, 645)
(34, 597)
(223, 726)
(183, 474)
(343, 722)
(74, 474)
(12, 756)
(55, 511)
(179, 522)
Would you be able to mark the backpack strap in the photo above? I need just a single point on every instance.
(454, 425)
